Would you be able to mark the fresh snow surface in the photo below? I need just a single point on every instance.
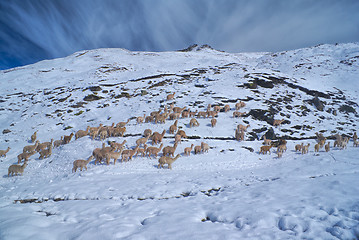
(227, 193)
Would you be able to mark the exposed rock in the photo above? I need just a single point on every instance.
(95, 88)
(92, 97)
(262, 115)
(6, 131)
(347, 109)
(318, 104)
(270, 134)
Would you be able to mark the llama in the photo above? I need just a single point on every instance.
(24, 156)
(193, 123)
(167, 160)
(67, 139)
(153, 150)
(265, 149)
(171, 96)
(173, 127)
(81, 164)
(298, 147)
(305, 148)
(188, 150)
(4, 152)
(169, 150)
(277, 122)
(213, 122)
(33, 137)
(266, 141)
(82, 133)
(15, 169)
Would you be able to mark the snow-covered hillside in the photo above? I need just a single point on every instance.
(231, 192)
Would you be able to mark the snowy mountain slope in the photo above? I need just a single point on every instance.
(229, 192)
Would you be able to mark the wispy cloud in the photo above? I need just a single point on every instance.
(35, 30)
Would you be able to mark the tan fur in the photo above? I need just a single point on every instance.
(174, 116)
(182, 133)
(67, 139)
(117, 146)
(44, 145)
(217, 108)
(343, 145)
(337, 143)
(100, 153)
(355, 137)
(81, 164)
(322, 143)
(113, 155)
(149, 119)
(178, 109)
(93, 132)
(58, 143)
(240, 105)
(173, 128)
(161, 118)
(185, 114)
(202, 114)
(153, 150)
(192, 114)
(238, 114)
(33, 137)
(243, 127)
(226, 108)
(188, 150)
(299, 147)
(82, 133)
(193, 123)
(45, 153)
(356, 143)
(147, 132)
(265, 149)
(327, 147)
(4, 152)
(167, 160)
(169, 150)
(239, 135)
(277, 122)
(170, 96)
(142, 151)
(266, 141)
(103, 134)
(155, 113)
(282, 148)
(213, 122)
(197, 149)
(122, 124)
(16, 169)
(24, 156)
(320, 137)
(316, 147)
(280, 154)
(31, 148)
(142, 141)
(157, 137)
(178, 138)
(129, 153)
(305, 148)
(119, 131)
(212, 114)
(141, 119)
(204, 147)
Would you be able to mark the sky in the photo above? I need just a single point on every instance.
(31, 31)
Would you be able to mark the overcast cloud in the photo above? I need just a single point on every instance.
(35, 30)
